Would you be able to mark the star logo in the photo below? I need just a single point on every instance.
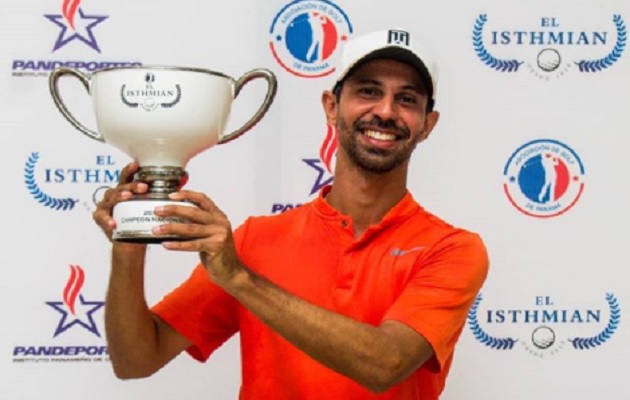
(325, 165)
(76, 313)
(323, 176)
(73, 28)
(82, 316)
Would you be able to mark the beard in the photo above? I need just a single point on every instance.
(372, 159)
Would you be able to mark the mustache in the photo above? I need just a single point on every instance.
(377, 123)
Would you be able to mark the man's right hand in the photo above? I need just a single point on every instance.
(125, 189)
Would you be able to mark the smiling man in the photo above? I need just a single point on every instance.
(359, 294)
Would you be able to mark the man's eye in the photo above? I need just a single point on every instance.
(408, 99)
(368, 91)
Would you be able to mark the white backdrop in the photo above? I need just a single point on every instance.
(519, 84)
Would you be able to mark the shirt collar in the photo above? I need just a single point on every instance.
(406, 207)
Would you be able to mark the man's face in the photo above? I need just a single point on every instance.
(381, 115)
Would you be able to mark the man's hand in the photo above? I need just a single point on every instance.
(123, 191)
(209, 233)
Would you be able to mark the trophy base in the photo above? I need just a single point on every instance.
(135, 221)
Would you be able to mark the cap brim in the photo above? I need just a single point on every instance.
(399, 54)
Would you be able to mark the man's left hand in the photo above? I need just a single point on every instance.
(209, 233)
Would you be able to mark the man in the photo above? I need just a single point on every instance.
(359, 294)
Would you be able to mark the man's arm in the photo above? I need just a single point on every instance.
(139, 343)
(375, 357)
(423, 323)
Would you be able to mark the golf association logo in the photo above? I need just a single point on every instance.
(543, 178)
(546, 328)
(548, 47)
(305, 37)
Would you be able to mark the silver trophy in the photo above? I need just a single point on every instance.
(161, 117)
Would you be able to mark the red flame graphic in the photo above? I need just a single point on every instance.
(70, 10)
(73, 287)
(329, 147)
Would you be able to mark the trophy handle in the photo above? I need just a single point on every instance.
(53, 84)
(272, 86)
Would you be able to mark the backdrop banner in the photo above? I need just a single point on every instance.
(526, 153)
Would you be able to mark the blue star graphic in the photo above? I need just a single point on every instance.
(323, 178)
(84, 25)
(68, 320)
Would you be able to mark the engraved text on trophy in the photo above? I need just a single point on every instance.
(150, 97)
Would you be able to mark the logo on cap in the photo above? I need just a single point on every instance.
(398, 37)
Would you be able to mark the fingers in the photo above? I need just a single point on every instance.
(125, 189)
(208, 239)
(207, 230)
(199, 199)
(126, 174)
(200, 223)
(205, 212)
(206, 223)
(192, 213)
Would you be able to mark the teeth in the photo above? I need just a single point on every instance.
(379, 135)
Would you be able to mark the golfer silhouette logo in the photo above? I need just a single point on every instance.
(549, 165)
(544, 178)
(305, 37)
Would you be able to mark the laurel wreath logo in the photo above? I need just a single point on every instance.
(583, 65)
(178, 97)
(36, 192)
(615, 54)
(483, 337)
(484, 55)
(579, 343)
(606, 334)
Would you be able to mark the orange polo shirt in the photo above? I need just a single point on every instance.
(412, 267)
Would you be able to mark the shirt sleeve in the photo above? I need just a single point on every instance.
(201, 311)
(438, 296)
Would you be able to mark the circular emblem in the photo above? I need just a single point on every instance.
(305, 37)
(544, 178)
(549, 60)
(543, 337)
(99, 194)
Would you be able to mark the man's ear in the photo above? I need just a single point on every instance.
(429, 124)
(330, 105)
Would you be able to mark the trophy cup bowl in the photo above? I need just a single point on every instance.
(161, 117)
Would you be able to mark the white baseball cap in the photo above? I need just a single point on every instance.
(396, 44)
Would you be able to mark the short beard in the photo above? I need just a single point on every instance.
(373, 160)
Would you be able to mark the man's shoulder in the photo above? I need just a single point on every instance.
(458, 247)
(445, 230)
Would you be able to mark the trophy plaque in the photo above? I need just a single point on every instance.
(161, 117)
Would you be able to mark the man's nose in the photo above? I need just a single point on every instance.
(385, 108)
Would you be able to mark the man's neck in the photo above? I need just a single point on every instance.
(366, 197)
